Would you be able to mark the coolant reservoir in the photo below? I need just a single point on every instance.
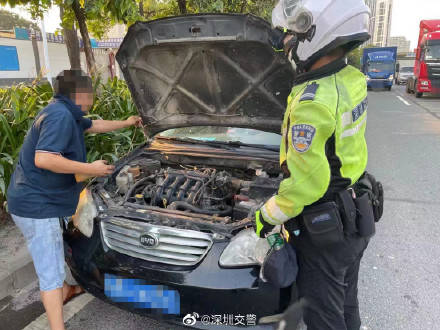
(124, 179)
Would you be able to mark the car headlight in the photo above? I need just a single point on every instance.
(390, 78)
(241, 250)
(85, 213)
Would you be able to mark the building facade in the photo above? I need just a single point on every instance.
(380, 22)
(402, 44)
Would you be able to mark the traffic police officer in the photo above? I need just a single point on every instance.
(323, 150)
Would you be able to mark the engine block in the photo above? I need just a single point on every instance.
(204, 191)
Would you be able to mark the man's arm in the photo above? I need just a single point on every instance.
(104, 126)
(59, 164)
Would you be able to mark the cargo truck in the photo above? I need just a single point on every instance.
(379, 66)
(426, 78)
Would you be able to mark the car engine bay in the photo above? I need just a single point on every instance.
(211, 191)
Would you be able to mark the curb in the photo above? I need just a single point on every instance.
(21, 274)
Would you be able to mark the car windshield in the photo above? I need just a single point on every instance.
(406, 69)
(433, 52)
(224, 134)
(380, 67)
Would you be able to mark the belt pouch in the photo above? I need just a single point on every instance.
(323, 224)
(348, 212)
(365, 217)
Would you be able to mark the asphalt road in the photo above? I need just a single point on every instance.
(400, 275)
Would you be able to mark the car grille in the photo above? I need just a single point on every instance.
(434, 71)
(435, 83)
(175, 246)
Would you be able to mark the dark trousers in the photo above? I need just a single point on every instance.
(327, 280)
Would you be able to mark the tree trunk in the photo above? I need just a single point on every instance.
(81, 19)
(182, 6)
(141, 8)
(72, 44)
(243, 6)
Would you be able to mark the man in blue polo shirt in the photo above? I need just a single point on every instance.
(46, 184)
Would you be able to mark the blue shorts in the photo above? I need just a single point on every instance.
(45, 243)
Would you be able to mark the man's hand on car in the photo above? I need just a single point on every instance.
(100, 168)
(134, 121)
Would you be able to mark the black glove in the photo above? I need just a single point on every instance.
(276, 39)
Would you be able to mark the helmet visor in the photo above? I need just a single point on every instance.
(289, 7)
(296, 15)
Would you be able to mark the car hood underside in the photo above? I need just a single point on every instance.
(205, 70)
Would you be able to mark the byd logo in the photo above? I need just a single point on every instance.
(149, 240)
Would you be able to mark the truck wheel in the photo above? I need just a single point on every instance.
(419, 95)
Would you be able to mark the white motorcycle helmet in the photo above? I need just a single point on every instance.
(321, 26)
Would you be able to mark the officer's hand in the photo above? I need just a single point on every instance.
(276, 39)
(100, 168)
(262, 228)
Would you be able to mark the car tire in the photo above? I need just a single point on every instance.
(389, 87)
(419, 95)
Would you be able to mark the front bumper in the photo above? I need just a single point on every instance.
(433, 87)
(205, 289)
(379, 83)
(402, 80)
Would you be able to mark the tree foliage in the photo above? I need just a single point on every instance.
(354, 57)
(99, 15)
(9, 20)
(161, 8)
(261, 8)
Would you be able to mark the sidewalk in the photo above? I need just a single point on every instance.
(16, 267)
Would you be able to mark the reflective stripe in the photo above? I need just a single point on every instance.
(354, 130)
(272, 213)
(347, 119)
(350, 117)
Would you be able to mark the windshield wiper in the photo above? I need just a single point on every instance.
(227, 145)
(258, 146)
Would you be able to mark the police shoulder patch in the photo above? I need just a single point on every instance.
(309, 92)
(302, 137)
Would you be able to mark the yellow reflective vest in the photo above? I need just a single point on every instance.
(323, 139)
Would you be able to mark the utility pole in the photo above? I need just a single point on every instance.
(36, 53)
(46, 52)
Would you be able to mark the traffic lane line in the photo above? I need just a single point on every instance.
(423, 104)
(69, 310)
(403, 100)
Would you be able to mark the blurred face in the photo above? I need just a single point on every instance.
(83, 99)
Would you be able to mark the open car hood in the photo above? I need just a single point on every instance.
(206, 70)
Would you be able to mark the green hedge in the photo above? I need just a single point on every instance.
(20, 104)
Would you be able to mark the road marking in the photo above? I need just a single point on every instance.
(403, 100)
(69, 310)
